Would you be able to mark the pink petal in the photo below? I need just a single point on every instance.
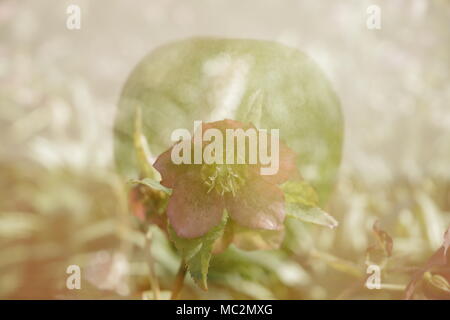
(258, 205)
(191, 210)
(287, 167)
(222, 125)
(168, 170)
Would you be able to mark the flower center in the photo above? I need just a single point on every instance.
(223, 177)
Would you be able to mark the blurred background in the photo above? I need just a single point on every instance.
(62, 202)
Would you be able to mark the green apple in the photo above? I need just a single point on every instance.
(212, 79)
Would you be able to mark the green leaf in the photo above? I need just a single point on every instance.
(300, 192)
(152, 184)
(256, 239)
(338, 263)
(253, 289)
(142, 149)
(186, 247)
(312, 215)
(198, 266)
(197, 252)
(302, 204)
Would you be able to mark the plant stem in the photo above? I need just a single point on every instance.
(179, 280)
(154, 284)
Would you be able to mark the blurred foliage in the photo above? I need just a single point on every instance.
(51, 218)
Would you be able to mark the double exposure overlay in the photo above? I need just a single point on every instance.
(224, 149)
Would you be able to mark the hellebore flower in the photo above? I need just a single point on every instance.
(202, 192)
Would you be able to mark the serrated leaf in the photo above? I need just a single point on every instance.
(153, 184)
(198, 265)
(300, 192)
(302, 204)
(197, 252)
(186, 247)
(312, 215)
